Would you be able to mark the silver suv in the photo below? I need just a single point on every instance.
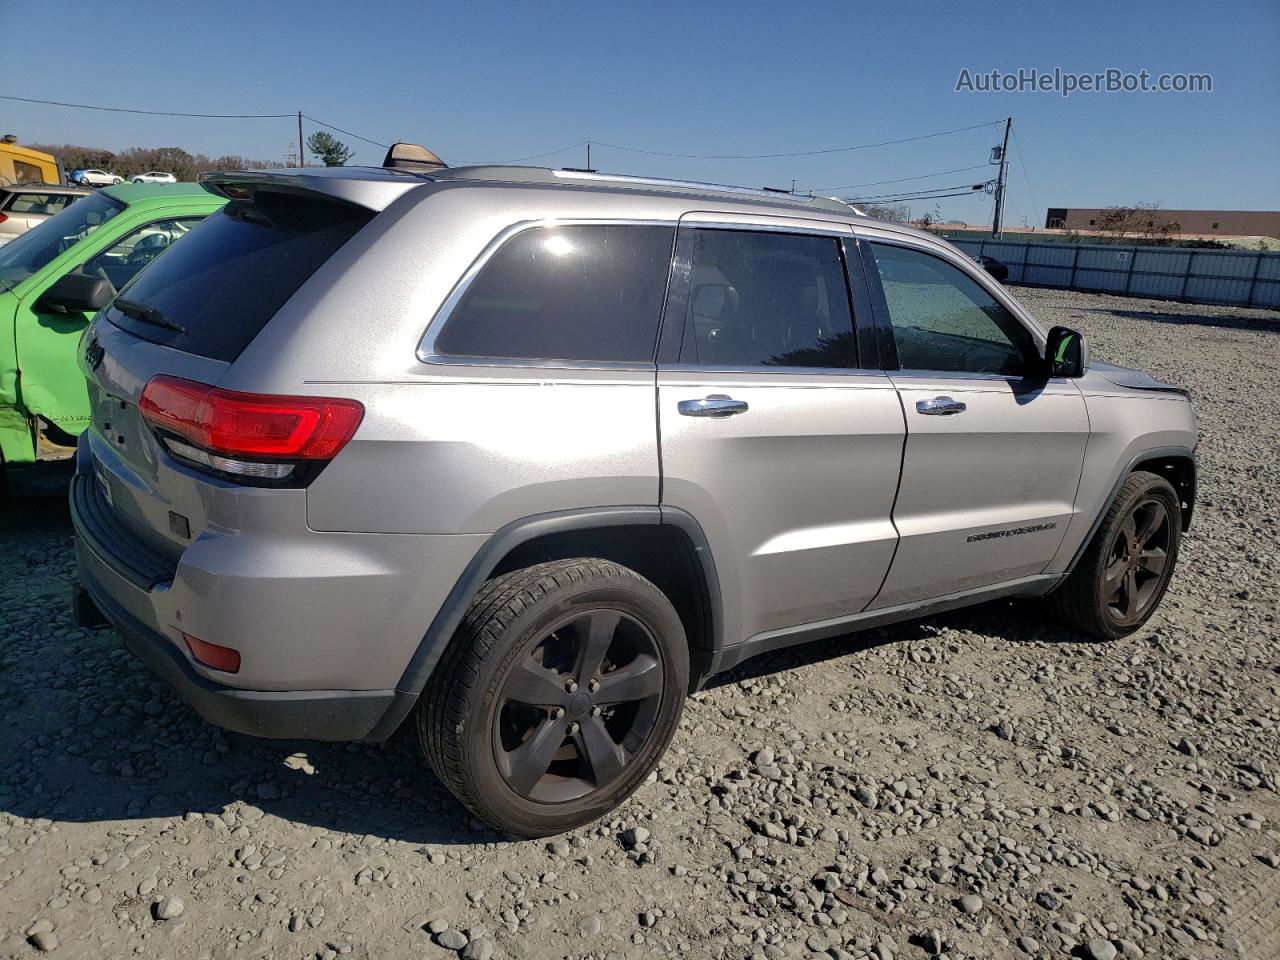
(524, 456)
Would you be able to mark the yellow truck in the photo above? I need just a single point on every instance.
(21, 165)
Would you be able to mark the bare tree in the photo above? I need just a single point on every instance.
(892, 212)
(1142, 220)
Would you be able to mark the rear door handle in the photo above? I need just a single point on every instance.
(940, 407)
(717, 406)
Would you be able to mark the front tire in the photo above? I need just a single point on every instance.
(557, 696)
(1120, 580)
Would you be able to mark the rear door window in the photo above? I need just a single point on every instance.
(588, 292)
(215, 291)
(764, 299)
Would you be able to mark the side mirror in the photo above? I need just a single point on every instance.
(1066, 353)
(76, 293)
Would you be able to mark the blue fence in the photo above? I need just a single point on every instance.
(1233, 277)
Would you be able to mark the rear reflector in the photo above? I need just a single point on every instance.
(211, 655)
(249, 425)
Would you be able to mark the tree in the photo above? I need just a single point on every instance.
(331, 151)
(892, 212)
(1143, 219)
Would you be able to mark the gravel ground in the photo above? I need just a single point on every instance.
(975, 785)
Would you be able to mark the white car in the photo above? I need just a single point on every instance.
(154, 176)
(95, 178)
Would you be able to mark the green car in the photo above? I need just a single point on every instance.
(53, 278)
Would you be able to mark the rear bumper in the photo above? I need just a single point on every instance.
(276, 714)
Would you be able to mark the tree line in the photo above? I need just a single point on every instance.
(183, 165)
(135, 160)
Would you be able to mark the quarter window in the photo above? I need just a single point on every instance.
(944, 320)
(766, 299)
(587, 292)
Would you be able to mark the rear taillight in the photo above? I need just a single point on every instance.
(249, 436)
(3, 217)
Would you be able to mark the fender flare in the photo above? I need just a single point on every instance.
(1152, 453)
(447, 619)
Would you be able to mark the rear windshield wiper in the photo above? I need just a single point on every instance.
(145, 313)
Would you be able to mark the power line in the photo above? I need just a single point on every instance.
(908, 193)
(346, 132)
(876, 183)
(798, 153)
(1026, 179)
(877, 201)
(154, 113)
(549, 153)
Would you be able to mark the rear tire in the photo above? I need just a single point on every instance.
(1125, 570)
(557, 696)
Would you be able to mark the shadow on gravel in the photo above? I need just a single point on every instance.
(1222, 321)
(89, 735)
(1016, 621)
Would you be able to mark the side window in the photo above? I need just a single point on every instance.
(944, 320)
(119, 262)
(577, 292)
(766, 299)
(40, 203)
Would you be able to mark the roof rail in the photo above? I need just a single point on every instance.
(517, 174)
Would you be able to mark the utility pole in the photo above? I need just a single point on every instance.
(997, 219)
(302, 157)
(588, 154)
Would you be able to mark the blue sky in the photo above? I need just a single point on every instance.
(480, 81)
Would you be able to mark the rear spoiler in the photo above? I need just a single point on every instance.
(372, 188)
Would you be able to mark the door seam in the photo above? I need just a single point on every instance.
(902, 464)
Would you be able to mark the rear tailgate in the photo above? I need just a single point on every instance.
(189, 315)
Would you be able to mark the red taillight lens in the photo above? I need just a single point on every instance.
(3, 217)
(226, 659)
(250, 424)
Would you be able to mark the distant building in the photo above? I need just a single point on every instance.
(1227, 223)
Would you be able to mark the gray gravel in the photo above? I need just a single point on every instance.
(976, 785)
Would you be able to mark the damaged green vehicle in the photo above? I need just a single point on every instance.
(53, 279)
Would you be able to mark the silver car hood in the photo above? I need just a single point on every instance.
(1133, 379)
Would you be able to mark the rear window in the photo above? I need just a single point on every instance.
(229, 275)
(589, 292)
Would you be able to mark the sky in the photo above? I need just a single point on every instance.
(478, 81)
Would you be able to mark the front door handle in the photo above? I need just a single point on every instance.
(717, 406)
(940, 407)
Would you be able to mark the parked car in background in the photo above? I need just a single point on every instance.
(522, 456)
(24, 165)
(53, 278)
(28, 205)
(94, 178)
(154, 176)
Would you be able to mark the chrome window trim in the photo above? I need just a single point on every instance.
(426, 345)
(821, 228)
(914, 374)
(791, 371)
